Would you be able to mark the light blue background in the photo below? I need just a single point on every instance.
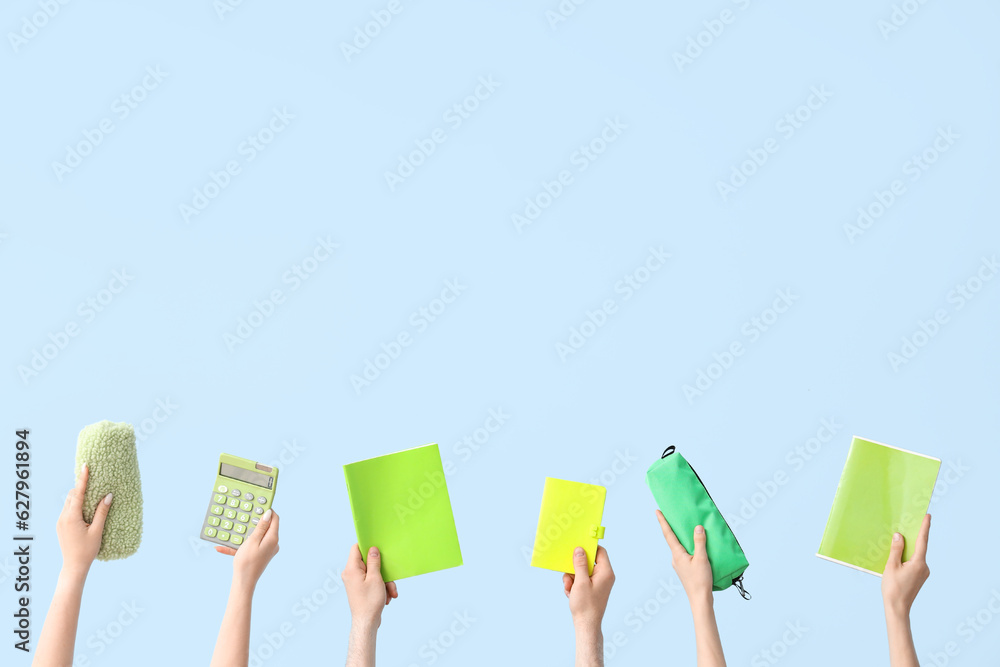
(495, 346)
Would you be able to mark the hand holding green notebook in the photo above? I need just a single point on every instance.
(883, 490)
(400, 505)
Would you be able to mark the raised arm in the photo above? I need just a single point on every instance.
(695, 573)
(232, 648)
(900, 584)
(588, 598)
(79, 543)
(367, 595)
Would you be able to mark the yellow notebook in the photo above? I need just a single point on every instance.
(570, 517)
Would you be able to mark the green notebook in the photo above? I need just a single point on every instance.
(883, 490)
(400, 505)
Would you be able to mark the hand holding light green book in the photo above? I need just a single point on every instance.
(400, 504)
(883, 490)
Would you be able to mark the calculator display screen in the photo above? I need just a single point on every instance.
(244, 475)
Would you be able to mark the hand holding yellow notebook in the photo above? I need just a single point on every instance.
(570, 517)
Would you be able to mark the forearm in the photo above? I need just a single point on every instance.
(361, 644)
(902, 653)
(55, 645)
(589, 646)
(232, 648)
(706, 632)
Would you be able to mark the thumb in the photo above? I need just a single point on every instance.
(580, 565)
(895, 551)
(258, 533)
(101, 513)
(699, 542)
(374, 570)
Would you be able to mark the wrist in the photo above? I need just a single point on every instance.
(244, 584)
(897, 611)
(367, 626)
(585, 626)
(74, 573)
(701, 600)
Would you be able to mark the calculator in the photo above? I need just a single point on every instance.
(244, 490)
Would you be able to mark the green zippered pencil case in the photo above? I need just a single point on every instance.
(686, 503)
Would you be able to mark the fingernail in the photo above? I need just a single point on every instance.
(579, 552)
(373, 552)
(896, 537)
(699, 529)
(107, 499)
(267, 516)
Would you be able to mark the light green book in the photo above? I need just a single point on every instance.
(883, 490)
(400, 505)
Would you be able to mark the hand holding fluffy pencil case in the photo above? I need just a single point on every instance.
(108, 448)
(686, 503)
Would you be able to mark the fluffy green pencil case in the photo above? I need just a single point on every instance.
(108, 448)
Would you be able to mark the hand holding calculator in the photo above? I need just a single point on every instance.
(243, 491)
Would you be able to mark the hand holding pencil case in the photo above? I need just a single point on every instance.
(108, 449)
(686, 503)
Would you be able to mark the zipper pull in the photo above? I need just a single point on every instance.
(738, 582)
(668, 451)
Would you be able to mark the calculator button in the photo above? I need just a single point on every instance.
(240, 528)
(213, 520)
(237, 540)
(246, 507)
(217, 509)
(222, 488)
(261, 500)
(247, 496)
(243, 518)
(234, 502)
(210, 532)
(258, 510)
(223, 535)
(255, 521)
(219, 498)
(230, 514)
(236, 493)
(227, 525)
